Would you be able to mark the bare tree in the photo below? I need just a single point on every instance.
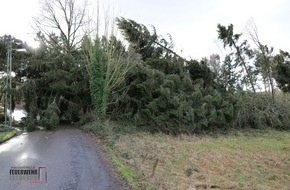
(214, 63)
(65, 18)
(263, 55)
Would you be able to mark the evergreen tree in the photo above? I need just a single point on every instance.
(167, 92)
(55, 77)
(241, 52)
(282, 73)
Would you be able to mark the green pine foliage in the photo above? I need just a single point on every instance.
(53, 76)
(170, 94)
(149, 84)
(50, 118)
(242, 54)
(172, 101)
(282, 72)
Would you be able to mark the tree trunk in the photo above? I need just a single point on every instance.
(246, 68)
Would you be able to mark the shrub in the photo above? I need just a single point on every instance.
(261, 111)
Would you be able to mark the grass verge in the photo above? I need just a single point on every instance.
(6, 135)
(244, 160)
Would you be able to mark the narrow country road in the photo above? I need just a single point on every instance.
(69, 156)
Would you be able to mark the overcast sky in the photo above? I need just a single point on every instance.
(192, 23)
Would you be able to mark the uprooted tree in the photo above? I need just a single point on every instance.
(148, 83)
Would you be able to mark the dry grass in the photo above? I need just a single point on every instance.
(243, 161)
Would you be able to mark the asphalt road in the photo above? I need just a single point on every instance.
(70, 158)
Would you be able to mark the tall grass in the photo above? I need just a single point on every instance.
(243, 160)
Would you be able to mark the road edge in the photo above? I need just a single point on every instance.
(106, 160)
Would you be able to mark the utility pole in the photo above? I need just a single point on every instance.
(8, 95)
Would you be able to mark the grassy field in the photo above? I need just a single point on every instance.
(248, 160)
